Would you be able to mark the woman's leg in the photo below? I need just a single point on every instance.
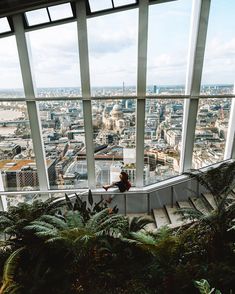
(106, 187)
(109, 200)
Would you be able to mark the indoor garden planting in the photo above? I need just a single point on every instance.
(72, 246)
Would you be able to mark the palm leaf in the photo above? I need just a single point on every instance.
(10, 268)
(68, 202)
(90, 198)
(12, 288)
(97, 206)
(78, 203)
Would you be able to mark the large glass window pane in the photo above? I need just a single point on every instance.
(11, 84)
(36, 17)
(211, 131)
(162, 142)
(168, 38)
(100, 5)
(219, 62)
(114, 139)
(64, 142)
(4, 25)
(56, 61)
(113, 53)
(118, 3)
(18, 169)
(60, 11)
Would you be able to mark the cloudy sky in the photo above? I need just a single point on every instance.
(113, 49)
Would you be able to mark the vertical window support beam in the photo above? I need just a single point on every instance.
(3, 198)
(141, 90)
(23, 47)
(86, 89)
(230, 140)
(199, 25)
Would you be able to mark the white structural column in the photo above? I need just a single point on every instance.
(24, 52)
(199, 25)
(230, 141)
(141, 90)
(86, 89)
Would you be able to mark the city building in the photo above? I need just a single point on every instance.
(19, 174)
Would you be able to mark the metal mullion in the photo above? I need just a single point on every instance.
(24, 53)
(230, 140)
(141, 90)
(199, 25)
(140, 128)
(86, 89)
(48, 13)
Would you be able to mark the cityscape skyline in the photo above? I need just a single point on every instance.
(114, 129)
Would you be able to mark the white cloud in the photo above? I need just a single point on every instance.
(113, 51)
(55, 56)
(9, 64)
(219, 62)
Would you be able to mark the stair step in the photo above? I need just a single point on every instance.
(151, 227)
(160, 217)
(210, 199)
(199, 204)
(184, 204)
(175, 218)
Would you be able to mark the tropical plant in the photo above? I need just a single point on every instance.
(86, 209)
(13, 221)
(220, 182)
(77, 230)
(204, 287)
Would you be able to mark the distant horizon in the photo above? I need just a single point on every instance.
(110, 87)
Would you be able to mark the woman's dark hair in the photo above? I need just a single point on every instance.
(124, 176)
(125, 181)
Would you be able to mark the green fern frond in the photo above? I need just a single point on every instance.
(190, 213)
(38, 226)
(117, 222)
(42, 230)
(54, 221)
(137, 223)
(47, 234)
(163, 233)
(143, 238)
(98, 218)
(54, 240)
(74, 219)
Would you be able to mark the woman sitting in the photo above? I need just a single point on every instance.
(123, 185)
